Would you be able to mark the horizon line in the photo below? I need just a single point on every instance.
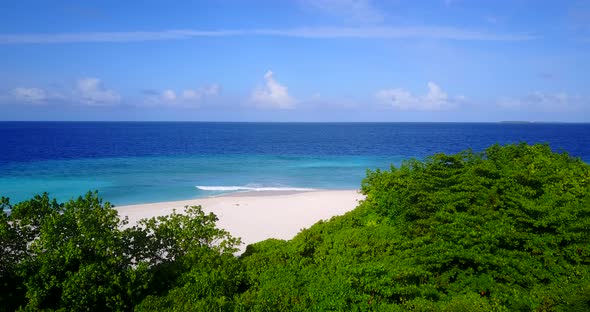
(246, 121)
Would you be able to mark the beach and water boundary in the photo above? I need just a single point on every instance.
(257, 216)
(146, 162)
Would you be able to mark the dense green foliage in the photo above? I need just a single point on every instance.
(503, 230)
(79, 256)
(508, 229)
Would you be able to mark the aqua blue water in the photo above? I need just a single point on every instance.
(148, 162)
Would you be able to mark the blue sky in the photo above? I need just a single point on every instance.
(300, 60)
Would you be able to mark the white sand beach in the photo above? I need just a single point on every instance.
(256, 216)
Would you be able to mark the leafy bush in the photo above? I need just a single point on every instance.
(506, 229)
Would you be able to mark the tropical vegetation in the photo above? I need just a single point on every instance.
(507, 229)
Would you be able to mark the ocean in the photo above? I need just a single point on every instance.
(141, 162)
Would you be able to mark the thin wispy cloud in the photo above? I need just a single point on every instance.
(449, 33)
(385, 32)
(123, 36)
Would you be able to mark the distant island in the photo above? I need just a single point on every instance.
(515, 122)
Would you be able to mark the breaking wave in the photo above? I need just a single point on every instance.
(250, 188)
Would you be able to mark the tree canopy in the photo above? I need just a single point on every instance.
(501, 230)
(79, 256)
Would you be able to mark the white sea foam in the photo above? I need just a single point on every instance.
(250, 188)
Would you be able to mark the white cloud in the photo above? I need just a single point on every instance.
(90, 91)
(195, 95)
(358, 10)
(188, 98)
(385, 32)
(272, 95)
(544, 102)
(435, 100)
(169, 95)
(86, 91)
(30, 95)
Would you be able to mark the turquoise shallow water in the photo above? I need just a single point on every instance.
(139, 162)
(133, 180)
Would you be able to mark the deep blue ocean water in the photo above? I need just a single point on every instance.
(138, 162)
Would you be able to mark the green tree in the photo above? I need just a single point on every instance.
(81, 256)
(193, 263)
(12, 253)
(77, 257)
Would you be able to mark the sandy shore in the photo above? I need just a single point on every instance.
(256, 216)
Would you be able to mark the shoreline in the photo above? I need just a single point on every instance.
(265, 193)
(257, 216)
